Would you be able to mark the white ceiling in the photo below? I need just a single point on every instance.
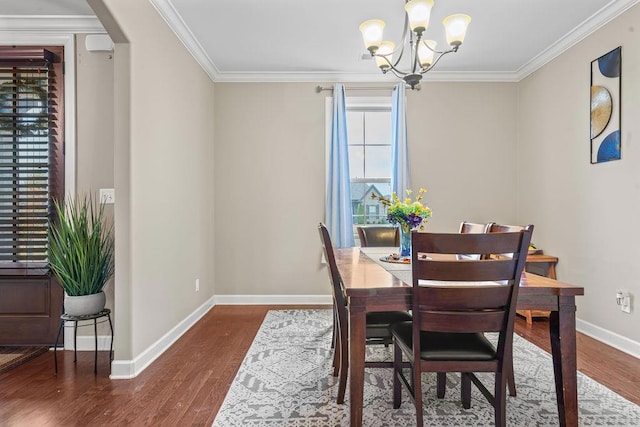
(312, 40)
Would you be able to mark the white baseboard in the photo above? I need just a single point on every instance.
(610, 338)
(88, 343)
(272, 299)
(126, 369)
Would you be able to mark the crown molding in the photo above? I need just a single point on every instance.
(51, 24)
(177, 25)
(311, 77)
(603, 16)
(596, 21)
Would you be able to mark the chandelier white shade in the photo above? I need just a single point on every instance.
(424, 55)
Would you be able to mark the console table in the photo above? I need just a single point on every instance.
(535, 262)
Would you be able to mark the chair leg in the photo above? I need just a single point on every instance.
(397, 370)
(336, 357)
(344, 361)
(465, 390)
(511, 379)
(441, 384)
(335, 326)
(417, 392)
(335, 344)
(500, 400)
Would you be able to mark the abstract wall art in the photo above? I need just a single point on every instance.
(605, 107)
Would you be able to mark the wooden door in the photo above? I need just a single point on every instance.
(30, 309)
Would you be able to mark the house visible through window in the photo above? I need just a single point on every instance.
(369, 130)
(31, 151)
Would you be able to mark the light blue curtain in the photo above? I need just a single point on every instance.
(338, 206)
(399, 155)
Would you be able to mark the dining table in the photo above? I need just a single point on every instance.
(375, 285)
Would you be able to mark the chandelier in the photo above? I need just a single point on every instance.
(424, 55)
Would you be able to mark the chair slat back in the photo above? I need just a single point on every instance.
(474, 227)
(462, 243)
(451, 293)
(502, 228)
(378, 235)
(442, 321)
(467, 270)
(477, 297)
(337, 287)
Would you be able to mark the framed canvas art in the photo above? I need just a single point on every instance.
(605, 106)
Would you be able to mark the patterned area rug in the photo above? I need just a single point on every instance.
(285, 380)
(11, 357)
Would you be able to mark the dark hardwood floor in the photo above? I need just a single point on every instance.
(187, 384)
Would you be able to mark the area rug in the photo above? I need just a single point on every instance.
(285, 380)
(11, 357)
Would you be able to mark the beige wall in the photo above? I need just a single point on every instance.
(585, 214)
(269, 186)
(463, 150)
(94, 132)
(168, 198)
(270, 174)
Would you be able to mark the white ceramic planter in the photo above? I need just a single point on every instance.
(84, 305)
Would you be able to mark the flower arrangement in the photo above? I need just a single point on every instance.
(407, 213)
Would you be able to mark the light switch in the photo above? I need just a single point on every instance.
(107, 196)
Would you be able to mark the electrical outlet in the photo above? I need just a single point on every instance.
(107, 196)
(197, 285)
(623, 299)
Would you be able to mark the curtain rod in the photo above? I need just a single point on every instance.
(330, 88)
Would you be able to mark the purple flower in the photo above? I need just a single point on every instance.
(414, 220)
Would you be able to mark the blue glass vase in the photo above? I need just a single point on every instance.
(405, 240)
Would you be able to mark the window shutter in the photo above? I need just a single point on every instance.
(31, 152)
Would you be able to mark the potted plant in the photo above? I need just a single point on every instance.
(81, 250)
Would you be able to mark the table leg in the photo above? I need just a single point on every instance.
(357, 336)
(562, 328)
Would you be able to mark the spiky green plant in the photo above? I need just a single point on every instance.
(81, 246)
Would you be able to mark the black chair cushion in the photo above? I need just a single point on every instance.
(445, 346)
(379, 322)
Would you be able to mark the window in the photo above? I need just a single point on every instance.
(369, 128)
(31, 151)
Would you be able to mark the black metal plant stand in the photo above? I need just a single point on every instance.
(75, 319)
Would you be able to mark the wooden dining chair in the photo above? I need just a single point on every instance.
(378, 323)
(474, 227)
(455, 301)
(503, 228)
(378, 235)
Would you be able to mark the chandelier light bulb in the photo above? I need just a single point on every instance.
(419, 12)
(425, 52)
(372, 31)
(385, 51)
(456, 28)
